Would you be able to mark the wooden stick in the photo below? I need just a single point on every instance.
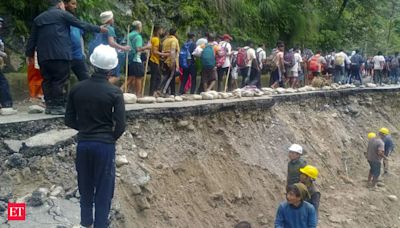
(126, 61)
(226, 80)
(147, 63)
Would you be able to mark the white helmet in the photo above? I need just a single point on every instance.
(104, 57)
(296, 148)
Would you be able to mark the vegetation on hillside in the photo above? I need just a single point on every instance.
(370, 25)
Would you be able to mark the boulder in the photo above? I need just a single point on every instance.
(197, 97)
(146, 100)
(160, 100)
(280, 90)
(371, 85)
(392, 198)
(35, 109)
(50, 138)
(16, 160)
(130, 98)
(207, 96)
(178, 99)
(169, 99)
(121, 160)
(8, 111)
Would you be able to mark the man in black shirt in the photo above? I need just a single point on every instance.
(96, 109)
(51, 39)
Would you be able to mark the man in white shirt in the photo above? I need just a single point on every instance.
(261, 56)
(379, 63)
(224, 68)
(294, 71)
(249, 72)
(341, 59)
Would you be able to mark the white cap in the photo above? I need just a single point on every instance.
(296, 148)
(106, 16)
(104, 57)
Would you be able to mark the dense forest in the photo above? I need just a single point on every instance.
(369, 25)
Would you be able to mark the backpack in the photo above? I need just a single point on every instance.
(221, 55)
(242, 60)
(313, 64)
(394, 63)
(99, 38)
(271, 62)
(339, 60)
(184, 55)
(289, 59)
(207, 57)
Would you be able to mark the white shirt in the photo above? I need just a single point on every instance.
(346, 58)
(298, 60)
(377, 62)
(251, 54)
(228, 48)
(262, 56)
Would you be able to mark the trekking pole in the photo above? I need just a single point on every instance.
(147, 62)
(227, 78)
(126, 61)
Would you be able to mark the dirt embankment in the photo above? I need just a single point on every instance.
(212, 170)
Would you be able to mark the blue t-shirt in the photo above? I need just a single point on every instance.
(76, 45)
(288, 216)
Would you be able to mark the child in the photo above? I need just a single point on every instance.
(295, 163)
(295, 212)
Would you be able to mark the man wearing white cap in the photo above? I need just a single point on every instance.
(107, 19)
(96, 109)
(295, 164)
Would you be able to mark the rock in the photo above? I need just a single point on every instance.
(121, 160)
(290, 90)
(58, 191)
(267, 89)
(146, 100)
(160, 100)
(392, 198)
(8, 111)
(334, 115)
(35, 109)
(197, 97)
(183, 123)
(136, 190)
(326, 88)
(159, 166)
(14, 145)
(16, 160)
(143, 154)
(223, 95)
(36, 199)
(130, 98)
(371, 85)
(50, 138)
(347, 180)
(246, 93)
(191, 127)
(178, 99)
(213, 93)
(380, 184)
(142, 202)
(206, 96)
(217, 196)
(280, 90)
(169, 99)
(302, 89)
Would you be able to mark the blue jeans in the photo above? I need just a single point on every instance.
(95, 164)
(394, 75)
(339, 74)
(5, 95)
(355, 74)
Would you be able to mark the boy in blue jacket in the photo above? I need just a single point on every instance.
(295, 212)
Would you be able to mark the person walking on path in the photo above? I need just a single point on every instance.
(356, 62)
(384, 134)
(96, 109)
(295, 212)
(51, 39)
(223, 58)
(189, 70)
(379, 63)
(308, 177)
(374, 155)
(295, 164)
(277, 73)
(171, 63)
(78, 63)
(135, 67)
(5, 95)
(154, 61)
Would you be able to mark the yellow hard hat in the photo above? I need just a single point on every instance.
(371, 135)
(310, 171)
(384, 131)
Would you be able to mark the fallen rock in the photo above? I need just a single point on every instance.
(58, 191)
(160, 100)
(146, 100)
(380, 184)
(143, 154)
(142, 202)
(206, 96)
(50, 138)
(290, 90)
(178, 99)
(35, 109)
(371, 85)
(247, 94)
(183, 123)
(197, 97)
(36, 199)
(280, 90)
(326, 88)
(121, 160)
(8, 111)
(14, 145)
(392, 198)
(169, 99)
(16, 160)
(130, 98)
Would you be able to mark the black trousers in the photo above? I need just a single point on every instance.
(168, 81)
(5, 95)
(192, 71)
(80, 69)
(55, 74)
(155, 79)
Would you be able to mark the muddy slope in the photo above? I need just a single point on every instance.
(212, 170)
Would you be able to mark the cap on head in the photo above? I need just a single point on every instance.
(136, 24)
(371, 135)
(296, 148)
(310, 171)
(384, 131)
(106, 16)
(227, 37)
(104, 57)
